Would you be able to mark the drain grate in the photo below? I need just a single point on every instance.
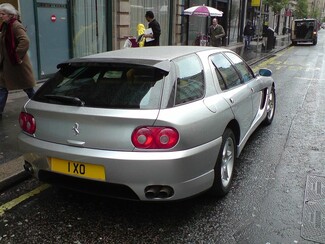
(313, 224)
(315, 188)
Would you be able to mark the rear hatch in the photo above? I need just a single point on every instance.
(305, 30)
(97, 106)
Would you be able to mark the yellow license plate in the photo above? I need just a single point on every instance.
(91, 171)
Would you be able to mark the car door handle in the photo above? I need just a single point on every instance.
(231, 100)
(252, 89)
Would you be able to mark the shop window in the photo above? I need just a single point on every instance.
(197, 25)
(89, 27)
(160, 9)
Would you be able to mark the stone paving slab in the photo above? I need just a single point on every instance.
(12, 172)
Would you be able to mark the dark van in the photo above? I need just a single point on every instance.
(304, 30)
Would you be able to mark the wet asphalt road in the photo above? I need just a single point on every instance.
(265, 204)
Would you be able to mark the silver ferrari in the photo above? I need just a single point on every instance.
(150, 124)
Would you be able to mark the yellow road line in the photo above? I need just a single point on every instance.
(306, 78)
(16, 201)
(271, 60)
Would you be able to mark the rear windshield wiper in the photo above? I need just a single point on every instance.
(66, 100)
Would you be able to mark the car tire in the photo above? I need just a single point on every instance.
(224, 168)
(270, 107)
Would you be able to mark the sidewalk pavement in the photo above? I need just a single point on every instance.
(12, 172)
(256, 54)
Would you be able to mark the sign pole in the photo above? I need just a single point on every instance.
(259, 26)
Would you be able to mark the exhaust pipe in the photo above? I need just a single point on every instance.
(152, 192)
(158, 191)
(165, 192)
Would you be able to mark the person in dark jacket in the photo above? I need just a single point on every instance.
(248, 34)
(15, 66)
(152, 39)
(216, 33)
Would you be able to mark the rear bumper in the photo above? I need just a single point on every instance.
(187, 172)
(304, 40)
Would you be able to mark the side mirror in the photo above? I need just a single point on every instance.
(265, 72)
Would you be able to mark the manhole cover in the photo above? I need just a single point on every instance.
(313, 224)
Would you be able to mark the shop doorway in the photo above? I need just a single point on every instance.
(53, 36)
(223, 21)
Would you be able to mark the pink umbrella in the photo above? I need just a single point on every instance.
(203, 10)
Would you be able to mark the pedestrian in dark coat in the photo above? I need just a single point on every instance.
(216, 33)
(156, 31)
(248, 34)
(15, 67)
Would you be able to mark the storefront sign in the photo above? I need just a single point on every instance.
(288, 13)
(256, 3)
(51, 5)
(53, 18)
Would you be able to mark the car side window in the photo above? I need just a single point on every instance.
(223, 67)
(190, 79)
(241, 66)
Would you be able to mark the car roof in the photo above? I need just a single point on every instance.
(158, 56)
(156, 53)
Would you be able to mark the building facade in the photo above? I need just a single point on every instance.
(63, 29)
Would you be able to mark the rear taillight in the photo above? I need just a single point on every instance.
(27, 123)
(154, 137)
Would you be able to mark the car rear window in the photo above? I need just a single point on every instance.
(104, 86)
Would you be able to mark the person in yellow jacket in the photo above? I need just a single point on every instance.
(141, 40)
